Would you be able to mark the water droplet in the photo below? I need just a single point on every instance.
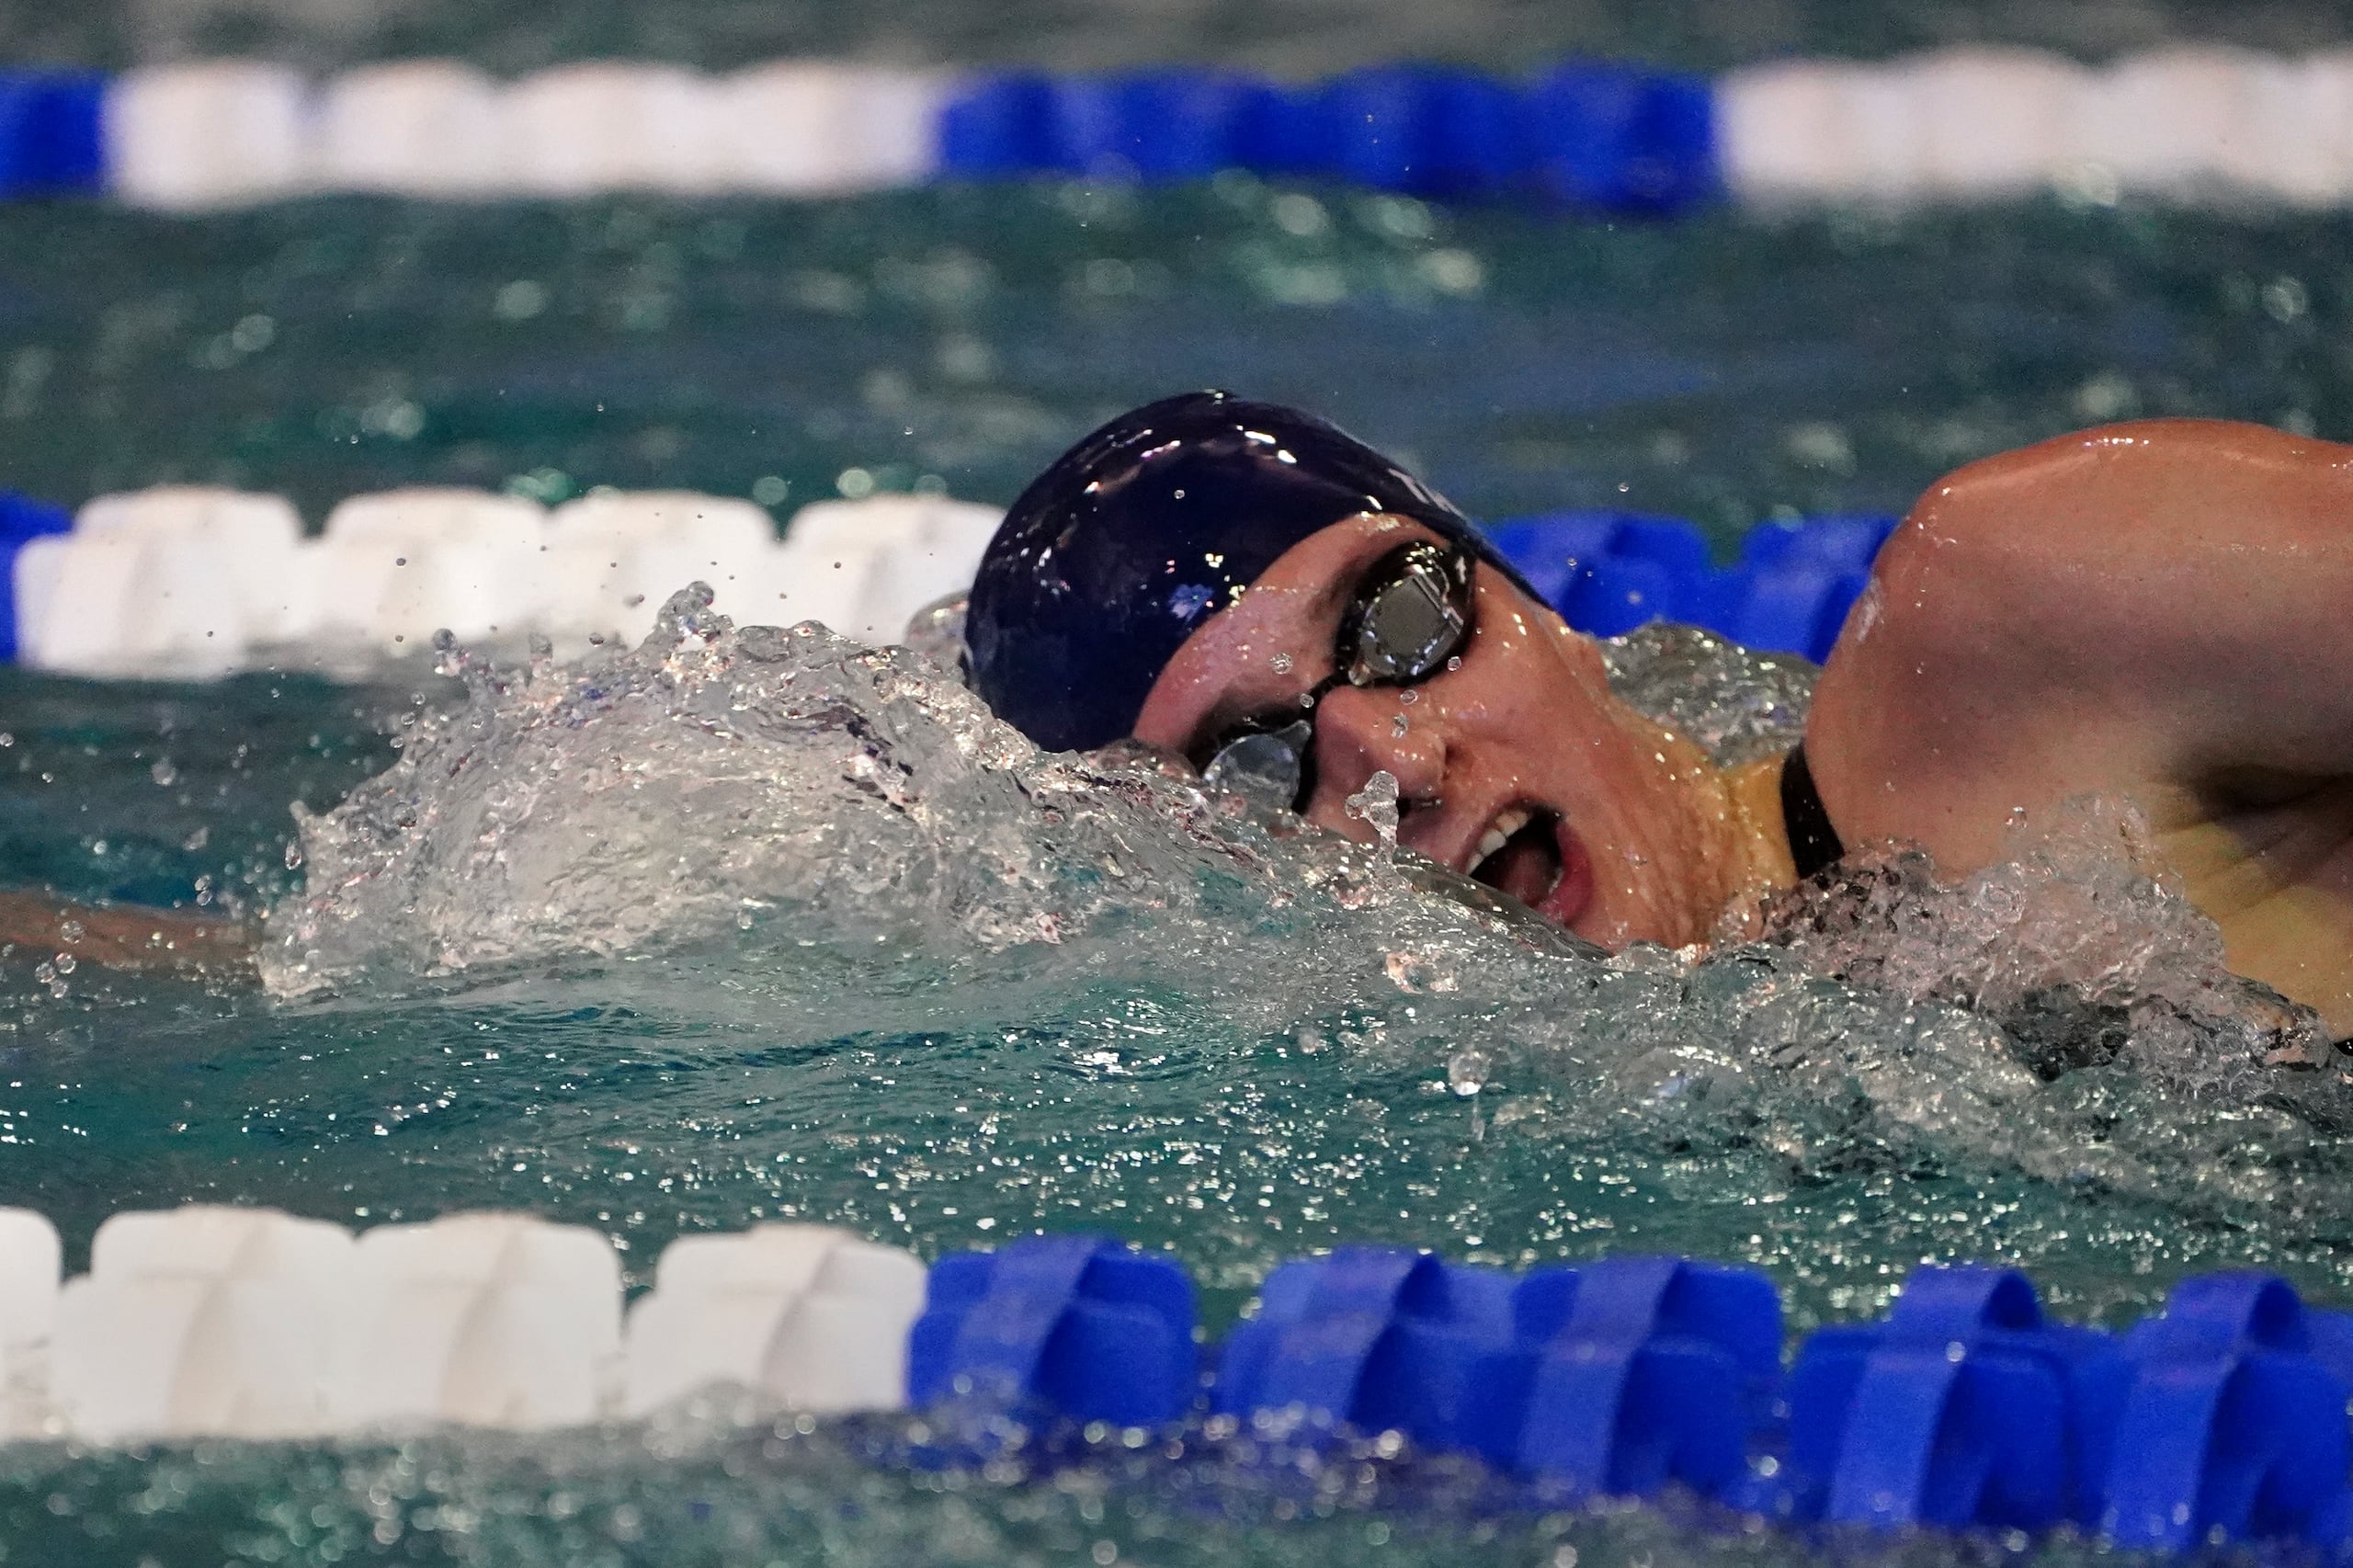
(1281, 662)
(1377, 803)
(1397, 727)
(293, 854)
(1409, 697)
(1454, 662)
(164, 773)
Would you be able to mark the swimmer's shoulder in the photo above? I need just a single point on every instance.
(2024, 545)
(2092, 611)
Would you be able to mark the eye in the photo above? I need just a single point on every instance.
(1413, 615)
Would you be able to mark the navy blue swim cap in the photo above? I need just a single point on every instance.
(1145, 530)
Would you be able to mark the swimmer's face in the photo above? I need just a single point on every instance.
(1522, 741)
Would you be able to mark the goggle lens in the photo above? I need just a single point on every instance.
(1412, 615)
(1411, 622)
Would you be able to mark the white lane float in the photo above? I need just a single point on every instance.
(212, 1321)
(189, 583)
(810, 1316)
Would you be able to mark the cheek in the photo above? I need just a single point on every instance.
(1516, 686)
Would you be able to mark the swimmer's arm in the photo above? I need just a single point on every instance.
(2170, 600)
(126, 936)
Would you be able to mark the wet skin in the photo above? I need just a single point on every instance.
(1634, 836)
(2163, 610)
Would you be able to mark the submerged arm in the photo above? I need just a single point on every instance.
(126, 937)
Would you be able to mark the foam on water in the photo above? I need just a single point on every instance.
(757, 923)
(714, 780)
(2065, 1016)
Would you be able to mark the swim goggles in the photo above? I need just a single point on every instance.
(1410, 618)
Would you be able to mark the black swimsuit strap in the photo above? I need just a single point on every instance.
(1814, 843)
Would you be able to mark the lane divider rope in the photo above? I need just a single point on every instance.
(2185, 123)
(2222, 1419)
(191, 583)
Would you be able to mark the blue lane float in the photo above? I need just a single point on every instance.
(1961, 1410)
(1377, 1339)
(1081, 1326)
(1599, 136)
(1617, 1378)
(1608, 572)
(2228, 1426)
(22, 519)
(52, 139)
(1646, 1372)
(2222, 1420)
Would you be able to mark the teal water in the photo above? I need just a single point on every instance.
(1725, 369)
(997, 995)
(1237, 1054)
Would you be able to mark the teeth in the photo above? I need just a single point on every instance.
(1499, 834)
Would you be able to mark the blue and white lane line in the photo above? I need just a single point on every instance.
(2222, 1419)
(189, 583)
(2188, 123)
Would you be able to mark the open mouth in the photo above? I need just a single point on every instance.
(1530, 854)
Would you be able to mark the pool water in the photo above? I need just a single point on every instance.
(757, 924)
(1729, 368)
(750, 925)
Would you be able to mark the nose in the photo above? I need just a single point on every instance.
(1358, 734)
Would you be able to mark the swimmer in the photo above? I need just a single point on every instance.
(2162, 610)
